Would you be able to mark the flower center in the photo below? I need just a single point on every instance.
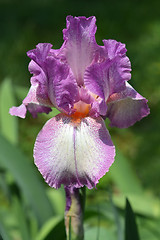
(82, 111)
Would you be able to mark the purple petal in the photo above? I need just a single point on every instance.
(109, 76)
(37, 99)
(72, 152)
(34, 103)
(18, 111)
(62, 87)
(85, 95)
(126, 108)
(96, 79)
(98, 107)
(79, 46)
(40, 53)
(56, 82)
(120, 66)
(34, 109)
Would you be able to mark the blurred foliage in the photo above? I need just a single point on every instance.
(29, 209)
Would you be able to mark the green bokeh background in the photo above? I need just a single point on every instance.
(23, 24)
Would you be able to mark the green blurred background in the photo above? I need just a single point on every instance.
(136, 171)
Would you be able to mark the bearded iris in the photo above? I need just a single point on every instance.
(86, 83)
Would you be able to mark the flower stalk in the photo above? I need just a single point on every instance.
(74, 212)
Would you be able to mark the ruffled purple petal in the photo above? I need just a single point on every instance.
(97, 105)
(73, 153)
(62, 87)
(52, 83)
(97, 80)
(120, 66)
(40, 53)
(108, 76)
(56, 82)
(37, 99)
(80, 45)
(98, 108)
(34, 109)
(126, 108)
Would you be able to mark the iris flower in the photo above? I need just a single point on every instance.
(86, 83)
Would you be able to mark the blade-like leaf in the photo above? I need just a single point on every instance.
(123, 175)
(143, 204)
(8, 123)
(117, 220)
(52, 229)
(104, 233)
(48, 227)
(21, 92)
(4, 231)
(21, 219)
(131, 231)
(25, 175)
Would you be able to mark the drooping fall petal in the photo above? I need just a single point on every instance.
(73, 152)
(126, 108)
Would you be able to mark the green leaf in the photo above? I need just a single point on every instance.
(48, 227)
(57, 199)
(131, 231)
(21, 219)
(52, 229)
(98, 233)
(117, 220)
(143, 204)
(26, 177)
(4, 231)
(21, 92)
(123, 175)
(9, 124)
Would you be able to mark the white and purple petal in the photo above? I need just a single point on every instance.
(80, 46)
(73, 153)
(126, 108)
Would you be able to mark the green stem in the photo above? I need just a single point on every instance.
(75, 201)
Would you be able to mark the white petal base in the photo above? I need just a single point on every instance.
(73, 152)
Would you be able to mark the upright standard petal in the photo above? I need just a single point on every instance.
(62, 87)
(80, 45)
(120, 65)
(126, 108)
(109, 76)
(73, 152)
(40, 53)
(96, 79)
